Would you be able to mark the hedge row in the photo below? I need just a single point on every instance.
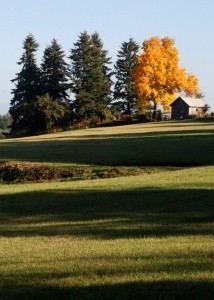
(15, 172)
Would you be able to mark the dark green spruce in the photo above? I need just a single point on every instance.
(53, 107)
(124, 88)
(91, 78)
(55, 73)
(27, 88)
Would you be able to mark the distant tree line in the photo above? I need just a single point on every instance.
(5, 121)
(84, 87)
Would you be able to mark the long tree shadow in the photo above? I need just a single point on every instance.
(165, 148)
(107, 214)
(127, 291)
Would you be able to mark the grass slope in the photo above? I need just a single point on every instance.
(173, 143)
(136, 237)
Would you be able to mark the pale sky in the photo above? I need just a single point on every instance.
(189, 22)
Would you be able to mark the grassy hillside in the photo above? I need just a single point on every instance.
(171, 143)
(136, 237)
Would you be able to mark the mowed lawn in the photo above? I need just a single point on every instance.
(165, 143)
(135, 237)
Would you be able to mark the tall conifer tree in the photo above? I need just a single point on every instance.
(90, 74)
(103, 73)
(124, 87)
(55, 73)
(27, 87)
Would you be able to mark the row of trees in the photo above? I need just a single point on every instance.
(59, 92)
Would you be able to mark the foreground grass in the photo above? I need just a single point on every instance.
(72, 268)
(139, 237)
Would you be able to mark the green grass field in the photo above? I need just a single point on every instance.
(136, 237)
(171, 143)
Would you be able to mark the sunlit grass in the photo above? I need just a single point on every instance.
(173, 143)
(162, 128)
(122, 238)
(148, 236)
(80, 262)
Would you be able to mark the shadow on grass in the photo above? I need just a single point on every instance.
(130, 291)
(107, 214)
(156, 148)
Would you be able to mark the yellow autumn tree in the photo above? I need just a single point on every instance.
(157, 75)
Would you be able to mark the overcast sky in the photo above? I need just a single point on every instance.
(189, 22)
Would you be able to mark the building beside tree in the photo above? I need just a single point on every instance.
(184, 107)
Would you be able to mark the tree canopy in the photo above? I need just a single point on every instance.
(48, 113)
(157, 75)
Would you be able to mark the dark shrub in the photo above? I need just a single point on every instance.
(12, 172)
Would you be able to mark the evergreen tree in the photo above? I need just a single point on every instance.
(102, 73)
(124, 87)
(55, 73)
(90, 74)
(27, 87)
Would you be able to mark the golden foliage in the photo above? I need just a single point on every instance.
(157, 75)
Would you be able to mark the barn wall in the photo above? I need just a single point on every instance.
(180, 110)
(192, 111)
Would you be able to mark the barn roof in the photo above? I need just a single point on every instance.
(191, 102)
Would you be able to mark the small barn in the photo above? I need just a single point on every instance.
(183, 107)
